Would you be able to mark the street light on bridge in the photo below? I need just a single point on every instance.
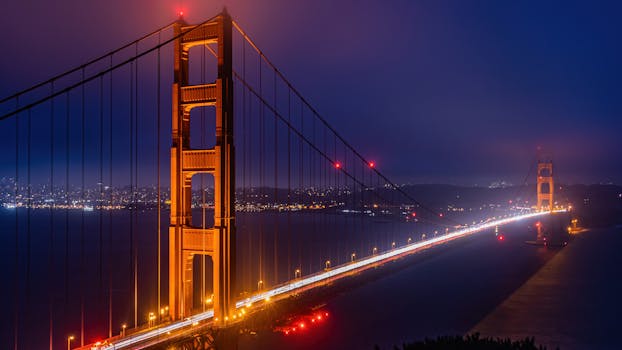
(352, 257)
(374, 251)
(164, 311)
(260, 285)
(69, 339)
(327, 265)
(297, 273)
(123, 327)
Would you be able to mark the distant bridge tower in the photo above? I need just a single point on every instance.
(185, 240)
(545, 185)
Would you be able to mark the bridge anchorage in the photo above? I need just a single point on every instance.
(187, 241)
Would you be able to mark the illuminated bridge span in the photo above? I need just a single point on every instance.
(264, 198)
(159, 334)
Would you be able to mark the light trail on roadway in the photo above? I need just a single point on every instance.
(161, 333)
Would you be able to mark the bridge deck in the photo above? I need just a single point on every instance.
(164, 332)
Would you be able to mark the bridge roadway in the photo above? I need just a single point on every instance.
(190, 325)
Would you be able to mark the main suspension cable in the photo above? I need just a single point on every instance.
(103, 72)
(325, 122)
(300, 134)
(83, 66)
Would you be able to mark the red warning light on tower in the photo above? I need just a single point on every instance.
(337, 165)
(372, 164)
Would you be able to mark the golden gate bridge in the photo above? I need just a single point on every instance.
(245, 160)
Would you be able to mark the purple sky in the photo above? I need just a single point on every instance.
(434, 91)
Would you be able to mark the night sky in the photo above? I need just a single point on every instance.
(434, 91)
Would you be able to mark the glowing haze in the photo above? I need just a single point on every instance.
(433, 91)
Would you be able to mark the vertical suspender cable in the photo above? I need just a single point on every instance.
(349, 197)
(16, 281)
(82, 279)
(131, 214)
(52, 290)
(300, 183)
(28, 216)
(384, 232)
(67, 160)
(261, 177)
(247, 256)
(343, 254)
(336, 195)
(110, 203)
(313, 215)
(101, 197)
(346, 198)
(203, 213)
(135, 192)
(276, 191)
(325, 189)
(159, 199)
(244, 201)
(359, 204)
(251, 179)
(289, 181)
